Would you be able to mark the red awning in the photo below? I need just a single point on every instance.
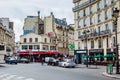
(52, 52)
(38, 52)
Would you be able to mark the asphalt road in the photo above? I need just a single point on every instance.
(35, 71)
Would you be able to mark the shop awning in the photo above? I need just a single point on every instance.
(38, 52)
(98, 56)
(87, 56)
(109, 55)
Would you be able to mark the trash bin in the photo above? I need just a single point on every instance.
(110, 68)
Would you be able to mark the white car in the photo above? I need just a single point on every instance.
(67, 63)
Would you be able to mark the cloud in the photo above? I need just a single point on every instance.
(18, 10)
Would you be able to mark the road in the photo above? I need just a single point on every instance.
(35, 71)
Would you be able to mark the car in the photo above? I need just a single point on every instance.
(67, 63)
(23, 60)
(11, 60)
(51, 61)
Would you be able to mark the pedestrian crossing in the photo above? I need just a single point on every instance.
(8, 76)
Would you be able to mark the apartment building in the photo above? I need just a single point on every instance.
(94, 28)
(59, 30)
(33, 24)
(7, 38)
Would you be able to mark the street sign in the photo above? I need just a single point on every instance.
(72, 47)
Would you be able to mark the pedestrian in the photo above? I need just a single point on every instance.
(43, 59)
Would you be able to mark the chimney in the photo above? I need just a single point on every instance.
(11, 25)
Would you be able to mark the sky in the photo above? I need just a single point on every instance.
(18, 10)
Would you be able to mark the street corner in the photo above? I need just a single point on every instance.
(112, 75)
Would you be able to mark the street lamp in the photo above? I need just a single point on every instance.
(85, 32)
(115, 18)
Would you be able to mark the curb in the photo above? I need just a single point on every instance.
(111, 75)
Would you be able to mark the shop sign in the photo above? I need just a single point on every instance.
(80, 51)
(96, 50)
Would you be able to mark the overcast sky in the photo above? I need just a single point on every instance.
(17, 10)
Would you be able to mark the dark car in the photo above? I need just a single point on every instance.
(11, 60)
(23, 60)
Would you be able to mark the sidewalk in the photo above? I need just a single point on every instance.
(113, 75)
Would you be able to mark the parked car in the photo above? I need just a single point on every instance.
(51, 61)
(67, 63)
(23, 60)
(11, 60)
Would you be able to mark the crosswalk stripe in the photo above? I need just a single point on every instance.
(29, 79)
(4, 75)
(19, 78)
(9, 77)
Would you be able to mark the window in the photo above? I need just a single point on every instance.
(2, 47)
(36, 39)
(25, 40)
(78, 24)
(24, 47)
(106, 26)
(99, 43)
(45, 40)
(30, 39)
(84, 23)
(79, 34)
(107, 42)
(99, 18)
(113, 27)
(112, 1)
(114, 41)
(36, 47)
(112, 11)
(91, 21)
(85, 45)
(30, 47)
(105, 3)
(84, 13)
(90, 8)
(45, 47)
(78, 14)
(52, 48)
(92, 44)
(98, 6)
(99, 30)
(106, 17)
(78, 45)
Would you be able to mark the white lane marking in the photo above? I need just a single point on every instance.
(4, 75)
(19, 78)
(29, 79)
(9, 77)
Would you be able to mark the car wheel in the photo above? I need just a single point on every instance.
(64, 66)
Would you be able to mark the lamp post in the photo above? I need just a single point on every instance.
(115, 18)
(85, 32)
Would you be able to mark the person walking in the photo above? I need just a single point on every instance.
(43, 60)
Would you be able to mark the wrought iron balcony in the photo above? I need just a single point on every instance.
(74, 1)
(96, 34)
(59, 27)
(84, 4)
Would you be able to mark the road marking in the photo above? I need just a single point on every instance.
(19, 78)
(29, 79)
(4, 75)
(9, 77)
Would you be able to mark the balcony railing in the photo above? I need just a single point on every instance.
(96, 34)
(84, 4)
(74, 1)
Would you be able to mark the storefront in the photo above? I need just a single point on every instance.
(111, 54)
(78, 56)
(96, 52)
(38, 55)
